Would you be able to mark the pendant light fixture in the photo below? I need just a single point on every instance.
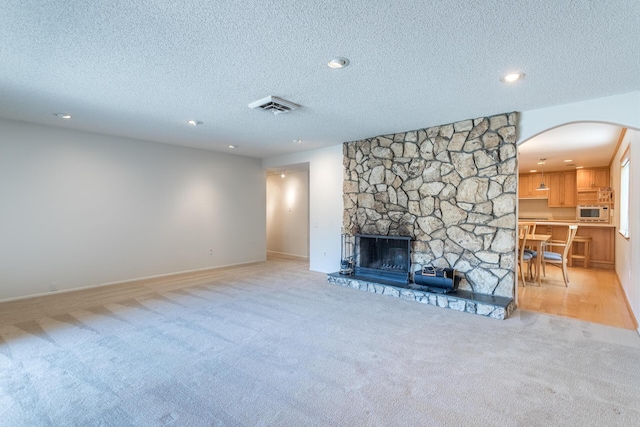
(542, 187)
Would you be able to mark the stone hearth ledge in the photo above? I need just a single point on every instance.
(485, 305)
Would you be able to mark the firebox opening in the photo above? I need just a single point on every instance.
(383, 257)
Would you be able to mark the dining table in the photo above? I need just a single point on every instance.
(537, 241)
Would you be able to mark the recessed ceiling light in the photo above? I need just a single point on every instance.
(579, 167)
(512, 77)
(568, 161)
(233, 146)
(63, 116)
(194, 122)
(339, 62)
(297, 141)
(533, 170)
(282, 175)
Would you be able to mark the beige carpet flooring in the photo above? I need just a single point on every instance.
(274, 344)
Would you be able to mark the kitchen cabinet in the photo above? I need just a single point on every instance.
(524, 184)
(527, 184)
(588, 181)
(602, 241)
(562, 189)
(592, 179)
(602, 245)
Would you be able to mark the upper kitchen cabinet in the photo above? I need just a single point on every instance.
(588, 183)
(592, 179)
(562, 189)
(527, 184)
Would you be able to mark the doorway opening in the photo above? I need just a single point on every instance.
(287, 209)
(570, 156)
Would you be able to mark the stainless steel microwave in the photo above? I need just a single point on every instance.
(592, 213)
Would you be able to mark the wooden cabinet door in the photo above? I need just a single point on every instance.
(562, 189)
(592, 179)
(570, 193)
(527, 184)
(584, 178)
(556, 189)
(524, 183)
(601, 178)
(602, 245)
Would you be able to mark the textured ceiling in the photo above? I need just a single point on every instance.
(142, 68)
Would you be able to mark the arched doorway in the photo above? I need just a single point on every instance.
(562, 152)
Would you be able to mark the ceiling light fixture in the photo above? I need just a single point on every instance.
(297, 141)
(512, 77)
(282, 175)
(338, 62)
(233, 146)
(533, 170)
(579, 167)
(542, 186)
(63, 116)
(567, 161)
(194, 122)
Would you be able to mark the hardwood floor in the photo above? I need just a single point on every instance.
(593, 295)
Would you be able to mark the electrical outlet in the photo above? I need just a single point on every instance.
(53, 286)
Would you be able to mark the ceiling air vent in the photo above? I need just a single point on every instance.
(275, 104)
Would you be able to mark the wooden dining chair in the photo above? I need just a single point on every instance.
(531, 229)
(555, 258)
(523, 256)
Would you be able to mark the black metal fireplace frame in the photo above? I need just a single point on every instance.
(387, 274)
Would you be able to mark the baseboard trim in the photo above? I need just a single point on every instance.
(120, 282)
(300, 257)
(626, 300)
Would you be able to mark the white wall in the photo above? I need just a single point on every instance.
(288, 213)
(623, 110)
(619, 109)
(83, 209)
(632, 282)
(626, 267)
(325, 203)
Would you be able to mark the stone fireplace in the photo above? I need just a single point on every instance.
(450, 189)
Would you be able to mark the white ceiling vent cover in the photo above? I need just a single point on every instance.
(275, 104)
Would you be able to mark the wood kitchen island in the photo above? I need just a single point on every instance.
(602, 239)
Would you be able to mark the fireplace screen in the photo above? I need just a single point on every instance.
(383, 257)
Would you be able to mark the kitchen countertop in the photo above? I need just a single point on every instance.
(569, 222)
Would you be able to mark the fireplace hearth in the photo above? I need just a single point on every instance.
(382, 266)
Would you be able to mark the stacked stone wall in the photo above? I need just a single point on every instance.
(451, 188)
